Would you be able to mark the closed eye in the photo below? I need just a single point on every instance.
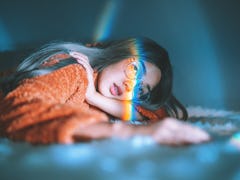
(143, 92)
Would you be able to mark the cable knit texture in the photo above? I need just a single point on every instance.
(51, 108)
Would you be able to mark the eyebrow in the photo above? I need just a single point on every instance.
(145, 72)
(144, 67)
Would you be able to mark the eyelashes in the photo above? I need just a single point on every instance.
(143, 93)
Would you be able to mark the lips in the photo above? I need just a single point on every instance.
(115, 90)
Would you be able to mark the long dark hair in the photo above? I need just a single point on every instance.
(101, 56)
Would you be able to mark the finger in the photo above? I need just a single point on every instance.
(86, 65)
(81, 60)
(74, 53)
(78, 55)
(194, 135)
(89, 72)
(175, 133)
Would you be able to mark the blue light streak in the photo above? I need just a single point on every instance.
(106, 21)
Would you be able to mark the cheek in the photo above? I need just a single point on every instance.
(105, 80)
(103, 85)
(127, 96)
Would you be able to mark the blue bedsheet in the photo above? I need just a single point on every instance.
(136, 158)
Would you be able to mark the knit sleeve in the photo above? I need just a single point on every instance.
(48, 108)
(152, 115)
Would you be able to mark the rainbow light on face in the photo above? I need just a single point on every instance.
(129, 106)
(103, 30)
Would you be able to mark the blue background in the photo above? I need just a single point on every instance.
(201, 36)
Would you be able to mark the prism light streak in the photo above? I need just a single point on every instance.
(105, 23)
(129, 110)
(103, 30)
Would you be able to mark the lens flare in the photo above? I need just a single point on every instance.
(235, 140)
(105, 23)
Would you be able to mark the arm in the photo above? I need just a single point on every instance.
(169, 131)
(42, 110)
(117, 108)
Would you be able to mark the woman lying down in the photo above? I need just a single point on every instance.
(67, 92)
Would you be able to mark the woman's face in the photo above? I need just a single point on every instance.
(121, 79)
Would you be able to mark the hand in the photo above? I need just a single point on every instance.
(83, 60)
(174, 132)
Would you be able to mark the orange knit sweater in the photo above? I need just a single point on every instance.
(51, 108)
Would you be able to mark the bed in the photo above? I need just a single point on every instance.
(136, 158)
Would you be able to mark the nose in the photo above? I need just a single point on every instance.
(129, 85)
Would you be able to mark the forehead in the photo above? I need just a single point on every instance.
(153, 75)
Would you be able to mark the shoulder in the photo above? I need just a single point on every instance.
(72, 73)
